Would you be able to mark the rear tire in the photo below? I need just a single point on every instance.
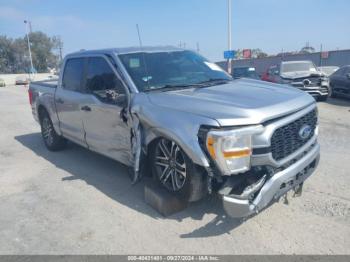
(176, 172)
(52, 140)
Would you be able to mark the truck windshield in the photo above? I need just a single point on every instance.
(171, 70)
(297, 67)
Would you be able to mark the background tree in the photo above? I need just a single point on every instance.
(42, 48)
(239, 54)
(307, 49)
(258, 53)
(7, 55)
(14, 57)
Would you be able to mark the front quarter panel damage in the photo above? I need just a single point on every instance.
(150, 122)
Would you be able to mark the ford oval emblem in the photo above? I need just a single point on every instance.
(305, 132)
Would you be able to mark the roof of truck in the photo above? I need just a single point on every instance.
(132, 49)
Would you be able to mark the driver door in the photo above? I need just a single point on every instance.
(105, 130)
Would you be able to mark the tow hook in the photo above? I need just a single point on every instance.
(298, 190)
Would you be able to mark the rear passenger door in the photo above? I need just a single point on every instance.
(68, 98)
(106, 132)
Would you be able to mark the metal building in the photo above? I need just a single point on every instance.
(329, 58)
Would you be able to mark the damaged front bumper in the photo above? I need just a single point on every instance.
(276, 186)
(313, 90)
(316, 91)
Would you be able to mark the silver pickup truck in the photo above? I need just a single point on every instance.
(172, 114)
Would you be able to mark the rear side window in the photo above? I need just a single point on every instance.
(72, 74)
(102, 81)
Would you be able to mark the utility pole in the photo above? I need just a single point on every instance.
(30, 53)
(30, 27)
(60, 47)
(229, 61)
(197, 47)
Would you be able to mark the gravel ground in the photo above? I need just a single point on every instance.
(78, 202)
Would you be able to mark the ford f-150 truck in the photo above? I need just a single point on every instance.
(172, 113)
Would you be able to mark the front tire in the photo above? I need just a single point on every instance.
(175, 171)
(52, 140)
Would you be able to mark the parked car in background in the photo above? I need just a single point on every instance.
(327, 70)
(302, 75)
(271, 74)
(245, 72)
(340, 82)
(22, 80)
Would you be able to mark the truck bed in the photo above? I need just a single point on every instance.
(52, 83)
(43, 92)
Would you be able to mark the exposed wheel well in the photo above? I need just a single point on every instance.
(151, 145)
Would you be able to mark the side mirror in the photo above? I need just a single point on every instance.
(348, 75)
(111, 97)
(116, 98)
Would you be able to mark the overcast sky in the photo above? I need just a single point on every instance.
(267, 24)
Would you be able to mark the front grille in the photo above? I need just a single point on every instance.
(286, 139)
(313, 79)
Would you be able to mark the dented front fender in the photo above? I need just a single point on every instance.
(181, 127)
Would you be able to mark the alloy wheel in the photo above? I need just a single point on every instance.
(170, 165)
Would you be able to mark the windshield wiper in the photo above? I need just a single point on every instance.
(172, 87)
(215, 81)
(209, 82)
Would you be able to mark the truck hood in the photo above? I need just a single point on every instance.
(300, 74)
(240, 102)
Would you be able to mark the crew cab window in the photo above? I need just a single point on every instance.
(103, 82)
(72, 74)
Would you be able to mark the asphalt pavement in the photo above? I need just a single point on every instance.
(78, 202)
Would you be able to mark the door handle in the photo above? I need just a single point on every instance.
(86, 108)
(59, 100)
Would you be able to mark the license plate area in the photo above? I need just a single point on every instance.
(294, 181)
(287, 186)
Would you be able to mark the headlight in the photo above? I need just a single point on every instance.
(231, 150)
